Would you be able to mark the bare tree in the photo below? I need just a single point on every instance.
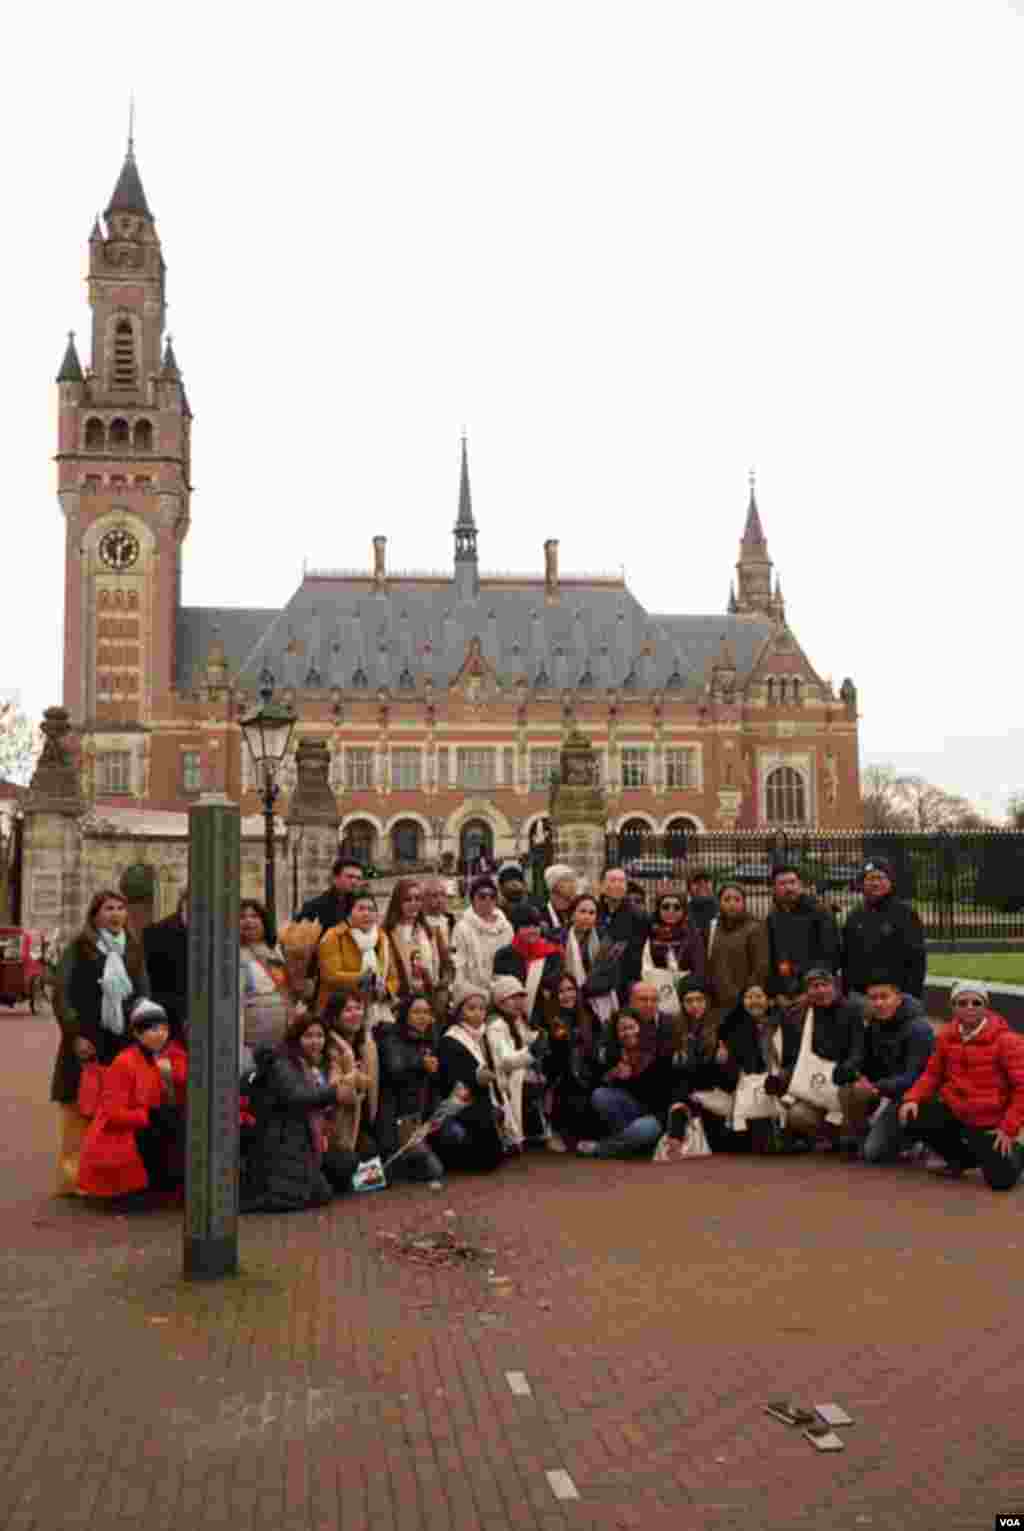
(909, 803)
(20, 743)
(881, 799)
(1015, 811)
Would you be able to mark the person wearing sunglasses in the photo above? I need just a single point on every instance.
(968, 1105)
(897, 1045)
(480, 934)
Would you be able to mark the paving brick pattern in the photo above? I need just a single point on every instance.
(652, 1309)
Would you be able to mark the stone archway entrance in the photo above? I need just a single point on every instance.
(476, 839)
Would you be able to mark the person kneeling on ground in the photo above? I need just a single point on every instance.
(756, 1039)
(837, 1036)
(518, 1048)
(350, 1061)
(134, 1142)
(898, 1042)
(637, 1082)
(968, 1105)
(409, 1069)
(471, 1139)
(697, 1074)
(291, 1165)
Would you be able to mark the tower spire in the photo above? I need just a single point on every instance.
(467, 577)
(70, 367)
(465, 516)
(753, 531)
(128, 195)
(753, 595)
(131, 126)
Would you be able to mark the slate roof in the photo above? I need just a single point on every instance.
(337, 631)
(128, 195)
(70, 367)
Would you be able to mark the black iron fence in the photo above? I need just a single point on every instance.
(966, 886)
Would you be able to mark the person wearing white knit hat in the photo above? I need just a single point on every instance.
(562, 884)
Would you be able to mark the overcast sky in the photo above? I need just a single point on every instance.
(634, 249)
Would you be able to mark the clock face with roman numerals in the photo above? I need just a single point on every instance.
(119, 549)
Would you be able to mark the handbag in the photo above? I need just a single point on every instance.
(665, 981)
(751, 1103)
(693, 1144)
(90, 1088)
(812, 1078)
(369, 1175)
(718, 1102)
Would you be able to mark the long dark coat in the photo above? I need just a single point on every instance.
(284, 1166)
(78, 1004)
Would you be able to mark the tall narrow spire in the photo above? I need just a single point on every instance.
(753, 530)
(467, 578)
(128, 195)
(465, 516)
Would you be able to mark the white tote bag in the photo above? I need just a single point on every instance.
(664, 980)
(812, 1078)
(693, 1145)
(751, 1103)
(718, 1102)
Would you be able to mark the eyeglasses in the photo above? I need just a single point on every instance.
(969, 1004)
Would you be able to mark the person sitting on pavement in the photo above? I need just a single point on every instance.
(535, 961)
(291, 1164)
(409, 1069)
(481, 932)
(574, 1062)
(562, 884)
(801, 935)
(135, 1141)
(898, 1042)
(968, 1105)
(698, 1075)
(837, 1037)
(356, 955)
(519, 1048)
(636, 1084)
(737, 950)
(755, 1038)
(621, 923)
(635, 1095)
(702, 905)
(883, 934)
(471, 1140)
(352, 1063)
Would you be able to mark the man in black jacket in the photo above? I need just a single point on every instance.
(165, 945)
(618, 920)
(801, 936)
(837, 1036)
(332, 906)
(898, 1042)
(883, 934)
(702, 906)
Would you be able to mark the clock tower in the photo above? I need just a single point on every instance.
(123, 471)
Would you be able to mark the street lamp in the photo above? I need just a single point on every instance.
(268, 733)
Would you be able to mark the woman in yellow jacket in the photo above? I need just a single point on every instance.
(355, 957)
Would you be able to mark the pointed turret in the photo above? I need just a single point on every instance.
(732, 607)
(128, 195)
(71, 367)
(754, 571)
(467, 577)
(170, 362)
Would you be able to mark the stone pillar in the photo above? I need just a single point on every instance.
(579, 811)
(53, 895)
(314, 811)
(211, 1166)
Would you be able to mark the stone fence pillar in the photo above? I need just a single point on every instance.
(53, 896)
(313, 822)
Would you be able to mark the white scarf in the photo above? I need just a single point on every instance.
(115, 983)
(605, 1005)
(366, 941)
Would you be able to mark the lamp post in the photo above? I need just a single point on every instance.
(297, 832)
(268, 734)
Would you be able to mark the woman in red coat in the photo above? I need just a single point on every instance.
(134, 1141)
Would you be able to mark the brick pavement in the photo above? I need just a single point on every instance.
(652, 1310)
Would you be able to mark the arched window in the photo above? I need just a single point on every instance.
(124, 355)
(676, 832)
(796, 690)
(143, 437)
(785, 796)
(119, 436)
(95, 435)
(406, 836)
(635, 839)
(771, 690)
(476, 840)
(360, 841)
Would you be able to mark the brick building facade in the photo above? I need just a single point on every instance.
(444, 698)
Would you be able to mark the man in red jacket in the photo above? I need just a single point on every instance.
(968, 1105)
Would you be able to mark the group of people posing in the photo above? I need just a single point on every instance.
(417, 1043)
